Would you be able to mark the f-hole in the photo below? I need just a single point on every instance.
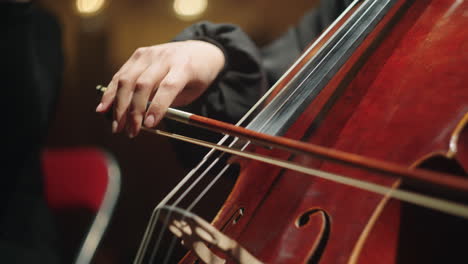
(303, 220)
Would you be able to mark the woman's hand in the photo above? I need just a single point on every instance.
(174, 73)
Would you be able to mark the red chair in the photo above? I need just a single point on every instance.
(81, 186)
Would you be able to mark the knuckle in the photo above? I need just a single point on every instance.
(166, 52)
(169, 84)
(123, 81)
(155, 108)
(142, 84)
(154, 50)
(161, 55)
(140, 51)
(186, 66)
(116, 77)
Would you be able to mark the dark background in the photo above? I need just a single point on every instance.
(95, 47)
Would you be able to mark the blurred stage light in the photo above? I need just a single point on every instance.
(89, 7)
(190, 9)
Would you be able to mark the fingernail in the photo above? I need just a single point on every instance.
(132, 134)
(129, 132)
(114, 126)
(99, 108)
(149, 121)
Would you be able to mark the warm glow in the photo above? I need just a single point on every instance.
(190, 9)
(89, 7)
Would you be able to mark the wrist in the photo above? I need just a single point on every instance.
(213, 53)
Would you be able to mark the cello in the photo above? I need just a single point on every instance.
(385, 82)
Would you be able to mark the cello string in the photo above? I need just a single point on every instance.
(174, 238)
(335, 41)
(174, 191)
(197, 199)
(192, 205)
(438, 204)
(297, 61)
(293, 91)
(266, 95)
(165, 223)
(161, 234)
(155, 215)
(302, 82)
(335, 46)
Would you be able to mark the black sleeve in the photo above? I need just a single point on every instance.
(283, 52)
(249, 70)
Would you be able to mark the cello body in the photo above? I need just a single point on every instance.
(400, 96)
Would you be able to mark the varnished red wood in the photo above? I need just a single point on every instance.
(398, 99)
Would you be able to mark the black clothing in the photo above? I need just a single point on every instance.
(31, 70)
(248, 72)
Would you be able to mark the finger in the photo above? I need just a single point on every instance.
(176, 231)
(109, 95)
(169, 88)
(145, 85)
(125, 90)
